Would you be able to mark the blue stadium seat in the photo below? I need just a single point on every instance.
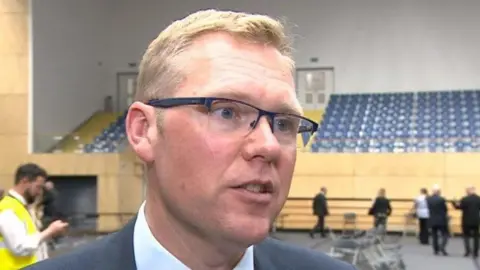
(110, 138)
(443, 121)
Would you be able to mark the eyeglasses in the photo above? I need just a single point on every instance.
(236, 118)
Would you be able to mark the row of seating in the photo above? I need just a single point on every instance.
(396, 145)
(110, 138)
(387, 122)
(443, 121)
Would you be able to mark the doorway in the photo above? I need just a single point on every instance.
(314, 86)
(126, 85)
(77, 200)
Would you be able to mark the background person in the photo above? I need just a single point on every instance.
(20, 238)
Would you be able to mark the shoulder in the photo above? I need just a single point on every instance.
(91, 256)
(7, 214)
(289, 256)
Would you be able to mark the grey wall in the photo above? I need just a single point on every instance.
(69, 69)
(374, 45)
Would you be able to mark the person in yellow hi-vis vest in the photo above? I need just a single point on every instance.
(19, 236)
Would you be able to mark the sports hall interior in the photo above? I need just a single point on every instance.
(394, 86)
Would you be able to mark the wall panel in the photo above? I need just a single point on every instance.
(13, 6)
(13, 33)
(14, 119)
(361, 175)
(317, 164)
(465, 164)
(14, 73)
(389, 164)
(309, 185)
(400, 187)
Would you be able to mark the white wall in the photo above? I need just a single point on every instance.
(69, 69)
(374, 45)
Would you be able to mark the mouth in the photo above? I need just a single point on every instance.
(260, 188)
(260, 193)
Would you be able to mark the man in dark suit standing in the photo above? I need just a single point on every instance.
(470, 207)
(320, 209)
(215, 121)
(438, 220)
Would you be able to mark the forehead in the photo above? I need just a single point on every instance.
(222, 66)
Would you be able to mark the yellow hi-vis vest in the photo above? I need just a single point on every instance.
(8, 260)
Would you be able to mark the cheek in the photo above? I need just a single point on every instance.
(194, 160)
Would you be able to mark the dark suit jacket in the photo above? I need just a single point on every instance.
(115, 252)
(381, 206)
(437, 206)
(470, 206)
(320, 207)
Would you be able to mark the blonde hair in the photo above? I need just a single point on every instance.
(159, 73)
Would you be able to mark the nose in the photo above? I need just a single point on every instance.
(261, 142)
(267, 118)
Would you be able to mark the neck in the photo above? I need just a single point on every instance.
(187, 244)
(18, 190)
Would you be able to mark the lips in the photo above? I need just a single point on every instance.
(260, 187)
(255, 193)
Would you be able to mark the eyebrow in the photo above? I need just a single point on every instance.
(282, 107)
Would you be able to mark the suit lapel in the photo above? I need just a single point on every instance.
(120, 253)
(261, 261)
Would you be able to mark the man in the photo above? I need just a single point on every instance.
(438, 220)
(50, 209)
(320, 209)
(219, 161)
(19, 237)
(470, 207)
(49, 202)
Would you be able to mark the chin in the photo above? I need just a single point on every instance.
(250, 230)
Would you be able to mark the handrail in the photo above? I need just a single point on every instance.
(300, 217)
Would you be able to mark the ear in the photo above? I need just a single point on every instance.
(141, 128)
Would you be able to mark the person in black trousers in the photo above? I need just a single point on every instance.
(438, 221)
(470, 207)
(380, 209)
(320, 209)
(421, 212)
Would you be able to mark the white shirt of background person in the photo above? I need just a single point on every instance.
(422, 206)
(15, 235)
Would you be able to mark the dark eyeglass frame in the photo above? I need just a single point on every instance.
(208, 101)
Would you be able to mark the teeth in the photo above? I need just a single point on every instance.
(257, 188)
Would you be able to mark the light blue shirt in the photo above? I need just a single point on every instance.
(150, 254)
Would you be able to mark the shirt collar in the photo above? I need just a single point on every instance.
(17, 196)
(149, 253)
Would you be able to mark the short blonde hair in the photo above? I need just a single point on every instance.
(159, 74)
